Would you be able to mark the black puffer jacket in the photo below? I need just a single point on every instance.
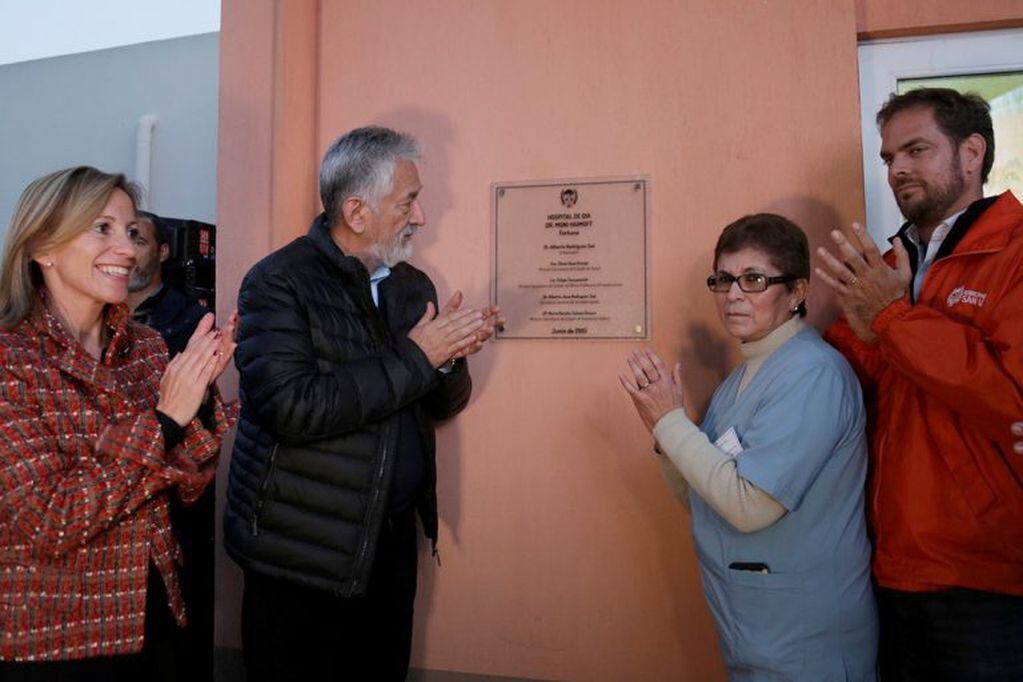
(322, 381)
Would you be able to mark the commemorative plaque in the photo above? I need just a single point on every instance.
(570, 258)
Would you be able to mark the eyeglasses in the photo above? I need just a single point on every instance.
(749, 282)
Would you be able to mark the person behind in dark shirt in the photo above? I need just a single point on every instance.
(175, 315)
(154, 302)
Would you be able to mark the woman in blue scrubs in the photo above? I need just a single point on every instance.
(774, 475)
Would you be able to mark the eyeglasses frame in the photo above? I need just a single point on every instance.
(771, 280)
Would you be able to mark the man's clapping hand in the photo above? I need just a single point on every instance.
(449, 334)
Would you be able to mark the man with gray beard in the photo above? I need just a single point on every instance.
(345, 367)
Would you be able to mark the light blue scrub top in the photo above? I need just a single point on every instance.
(801, 425)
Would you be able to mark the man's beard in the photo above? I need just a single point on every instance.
(936, 200)
(141, 277)
(397, 250)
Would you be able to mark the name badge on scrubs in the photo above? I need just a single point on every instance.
(729, 442)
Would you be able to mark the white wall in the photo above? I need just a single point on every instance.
(84, 109)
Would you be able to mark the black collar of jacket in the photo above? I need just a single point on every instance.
(319, 234)
(962, 225)
(350, 267)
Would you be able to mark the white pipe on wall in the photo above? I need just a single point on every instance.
(144, 156)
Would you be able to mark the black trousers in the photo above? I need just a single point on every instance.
(291, 632)
(956, 635)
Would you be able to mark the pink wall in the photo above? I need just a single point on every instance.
(887, 19)
(563, 555)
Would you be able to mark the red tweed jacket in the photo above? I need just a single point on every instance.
(84, 488)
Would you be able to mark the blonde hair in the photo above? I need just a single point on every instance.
(52, 211)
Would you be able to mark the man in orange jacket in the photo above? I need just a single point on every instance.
(934, 329)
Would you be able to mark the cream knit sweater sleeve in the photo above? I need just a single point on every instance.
(690, 458)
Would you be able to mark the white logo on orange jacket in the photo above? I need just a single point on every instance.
(967, 296)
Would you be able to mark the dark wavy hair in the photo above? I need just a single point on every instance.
(782, 240)
(957, 114)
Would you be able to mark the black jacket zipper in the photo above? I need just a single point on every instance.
(264, 484)
(374, 501)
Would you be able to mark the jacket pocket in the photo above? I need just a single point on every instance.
(966, 472)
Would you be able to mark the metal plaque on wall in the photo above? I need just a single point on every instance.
(570, 258)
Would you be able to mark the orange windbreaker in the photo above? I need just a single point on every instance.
(943, 384)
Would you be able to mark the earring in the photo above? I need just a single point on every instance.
(48, 263)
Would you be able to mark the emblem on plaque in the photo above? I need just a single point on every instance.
(569, 196)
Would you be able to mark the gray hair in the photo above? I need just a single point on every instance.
(360, 164)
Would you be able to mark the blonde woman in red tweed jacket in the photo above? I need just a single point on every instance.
(97, 430)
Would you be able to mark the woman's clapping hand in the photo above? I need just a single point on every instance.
(191, 372)
(654, 390)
